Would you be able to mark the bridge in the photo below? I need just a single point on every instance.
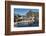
(25, 20)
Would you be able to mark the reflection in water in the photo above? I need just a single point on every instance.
(34, 24)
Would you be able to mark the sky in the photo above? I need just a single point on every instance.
(23, 11)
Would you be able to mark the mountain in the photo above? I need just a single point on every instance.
(31, 13)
